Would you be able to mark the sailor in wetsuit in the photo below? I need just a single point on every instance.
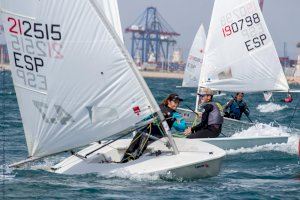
(141, 140)
(237, 106)
(211, 119)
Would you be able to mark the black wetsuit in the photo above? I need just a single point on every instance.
(206, 129)
(140, 141)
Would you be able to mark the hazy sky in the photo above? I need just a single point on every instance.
(185, 16)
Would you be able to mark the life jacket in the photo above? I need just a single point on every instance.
(221, 109)
(236, 109)
(168, 114)
(215, 116)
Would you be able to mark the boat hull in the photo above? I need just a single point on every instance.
(244, 142)
(236, 142)
(197, 171)
(196, 159)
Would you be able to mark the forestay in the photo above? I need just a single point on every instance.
(75, 82)
(195, 58)
(240, 54)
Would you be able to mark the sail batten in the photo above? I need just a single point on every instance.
(240, 54)
(83, 87)
(30, 89)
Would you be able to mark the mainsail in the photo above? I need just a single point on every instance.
(111, 11)
(195, 58)
(74, 80)
(240, 54)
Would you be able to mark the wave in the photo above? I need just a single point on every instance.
(124, 174)
(291, 147)
(6, 173)
(270, 107)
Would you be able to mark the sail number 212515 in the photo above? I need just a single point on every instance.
(36, 30)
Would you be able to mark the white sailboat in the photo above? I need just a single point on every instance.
(195, 59)
(194, 62)
(76, 84)
(240, 56)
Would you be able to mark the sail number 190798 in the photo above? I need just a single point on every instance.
(240, 24)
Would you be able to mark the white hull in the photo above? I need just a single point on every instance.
(236, 142)
(195, 160)
(227, 143)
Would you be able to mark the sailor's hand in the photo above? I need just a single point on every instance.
(199, 113)
(188, 131)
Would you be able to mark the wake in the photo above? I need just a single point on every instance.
(291, 147)
(270, 107)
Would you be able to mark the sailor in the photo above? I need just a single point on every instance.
(141, 139)
(168, 108)
(237, 106)
(288, 99)
(211, 119)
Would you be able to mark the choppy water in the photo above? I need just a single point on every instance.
(268, 172)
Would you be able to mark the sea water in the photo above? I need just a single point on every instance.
(266, 172)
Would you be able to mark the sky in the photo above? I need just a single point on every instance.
(185, 16)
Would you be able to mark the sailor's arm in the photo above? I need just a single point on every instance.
(228, 104)
(246, 109)
(180, 123)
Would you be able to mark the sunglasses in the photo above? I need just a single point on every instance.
(202, 95)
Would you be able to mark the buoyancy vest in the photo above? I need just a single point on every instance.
(215, 116)
(237, 108)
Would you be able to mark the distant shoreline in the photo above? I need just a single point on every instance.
(172, 75)
(154, 74)
(4, 67)
(294, 80)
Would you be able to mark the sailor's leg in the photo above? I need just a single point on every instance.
(202, 133)
(130, 153)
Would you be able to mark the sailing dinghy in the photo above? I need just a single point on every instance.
(76, 84)
(195, 59)
(240, 56)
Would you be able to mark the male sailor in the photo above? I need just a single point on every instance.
(143, 137)
(211, 119)
(237, 106)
